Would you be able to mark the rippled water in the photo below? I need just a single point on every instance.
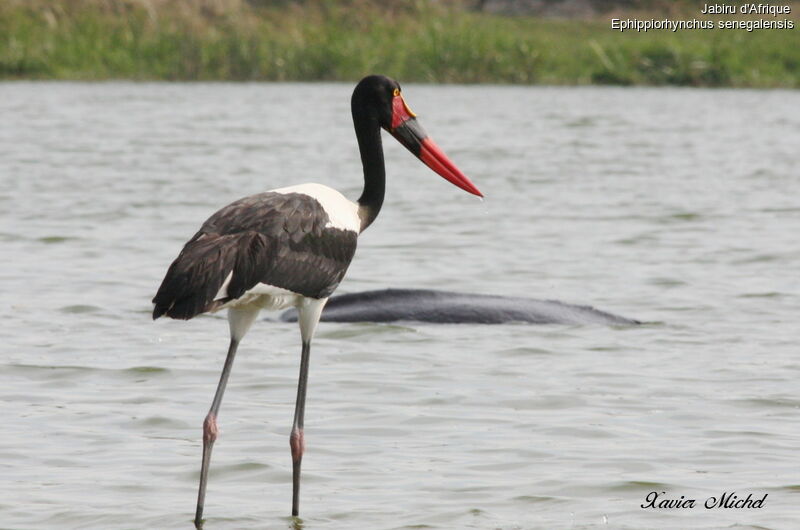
(676, 207)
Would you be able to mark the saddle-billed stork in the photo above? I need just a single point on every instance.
(291, 247)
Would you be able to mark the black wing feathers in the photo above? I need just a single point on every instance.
(273, 238)
(195, 276)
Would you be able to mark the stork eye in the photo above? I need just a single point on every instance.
(396, 92)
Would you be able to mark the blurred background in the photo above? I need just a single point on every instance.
(561, 42)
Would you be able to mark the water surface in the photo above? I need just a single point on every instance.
(677, 207)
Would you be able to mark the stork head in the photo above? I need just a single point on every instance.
(381, 98)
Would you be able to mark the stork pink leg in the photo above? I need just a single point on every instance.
(297, 441)
(211, 431)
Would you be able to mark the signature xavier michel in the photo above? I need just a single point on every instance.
(728, 500)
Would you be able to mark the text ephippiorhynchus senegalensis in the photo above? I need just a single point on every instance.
(291, 247)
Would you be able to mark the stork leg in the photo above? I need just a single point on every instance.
(210, 432)
(240, 321)
(308, 317)
(297, 440)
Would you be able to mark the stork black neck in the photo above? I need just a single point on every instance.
(368, 132)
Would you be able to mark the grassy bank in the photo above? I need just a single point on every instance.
(413, 41)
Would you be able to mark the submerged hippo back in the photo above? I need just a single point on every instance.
(423, 305)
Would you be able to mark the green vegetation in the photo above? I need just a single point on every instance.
(413, 41)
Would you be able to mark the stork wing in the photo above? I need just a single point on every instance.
(280, 239)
